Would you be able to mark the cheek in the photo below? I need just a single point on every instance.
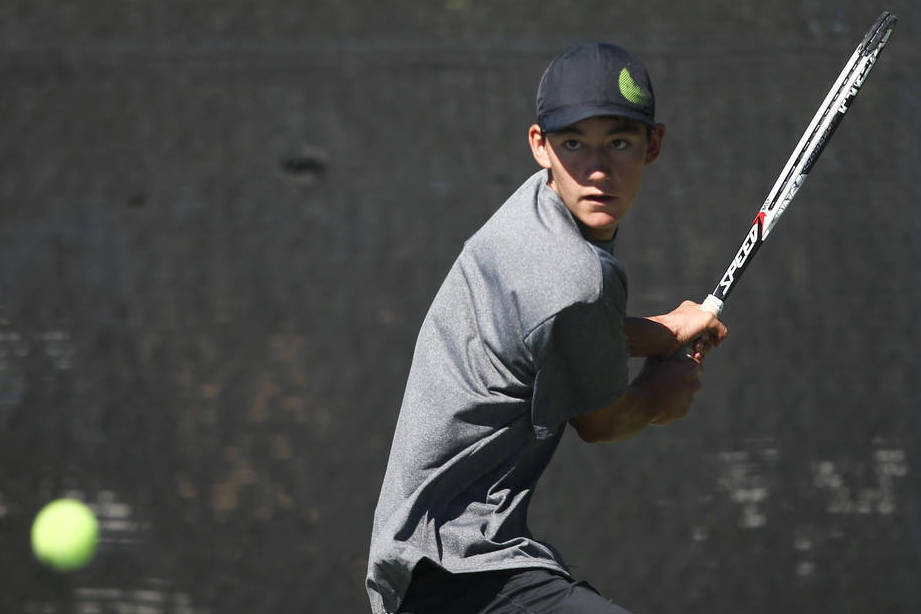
(632, 177)
(575, 171)
(562, 173)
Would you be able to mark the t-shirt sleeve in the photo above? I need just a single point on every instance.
(581, 356)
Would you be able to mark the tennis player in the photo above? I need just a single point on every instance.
(529, 333)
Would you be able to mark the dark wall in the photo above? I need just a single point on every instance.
(221, 224)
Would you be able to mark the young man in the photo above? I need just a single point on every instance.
(527, 333)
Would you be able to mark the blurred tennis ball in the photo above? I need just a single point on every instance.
(64, 535)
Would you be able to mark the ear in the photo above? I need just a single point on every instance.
(654, 146)
(539, 145)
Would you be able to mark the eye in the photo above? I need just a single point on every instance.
(619, 144)
(571, 145)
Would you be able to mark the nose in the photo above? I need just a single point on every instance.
(599, 165)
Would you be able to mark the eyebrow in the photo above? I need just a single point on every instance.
(620, 128)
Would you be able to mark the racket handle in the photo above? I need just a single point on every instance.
(711, 304)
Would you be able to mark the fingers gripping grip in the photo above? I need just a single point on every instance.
(712, 305)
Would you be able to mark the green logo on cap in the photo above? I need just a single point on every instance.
(631, 90)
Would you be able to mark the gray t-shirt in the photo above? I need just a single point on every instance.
(525, 333)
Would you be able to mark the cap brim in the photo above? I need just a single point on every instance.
(561, 118)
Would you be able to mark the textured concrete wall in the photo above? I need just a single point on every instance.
(221, 224)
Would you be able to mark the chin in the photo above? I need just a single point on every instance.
(602, 223)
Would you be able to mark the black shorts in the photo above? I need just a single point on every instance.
(515, 591)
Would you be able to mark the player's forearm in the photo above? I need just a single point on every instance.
(619, 421)
(663, 335)
(648, 337)
(662, 392)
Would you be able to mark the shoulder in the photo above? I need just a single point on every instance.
(531, 251)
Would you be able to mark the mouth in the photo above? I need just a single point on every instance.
(602, 199)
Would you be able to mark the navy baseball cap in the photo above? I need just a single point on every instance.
(592, 80)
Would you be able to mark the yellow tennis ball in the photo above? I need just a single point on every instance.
(64, 535)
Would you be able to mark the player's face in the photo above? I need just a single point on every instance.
(596, 167)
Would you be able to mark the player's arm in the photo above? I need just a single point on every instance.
(662, 392)
(621, 420)
(663, 335)
(665, 388)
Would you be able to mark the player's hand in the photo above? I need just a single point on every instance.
(700, 347)
(689, 323)
(667, 387)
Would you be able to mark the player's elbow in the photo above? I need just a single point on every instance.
(598, 430)
(587, 433)
(609, 436)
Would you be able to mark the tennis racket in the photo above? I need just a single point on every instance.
(808, 150)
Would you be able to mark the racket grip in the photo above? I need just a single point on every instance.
(712, 305)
